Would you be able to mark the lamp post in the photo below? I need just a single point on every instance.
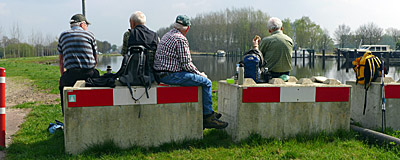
(83, 8)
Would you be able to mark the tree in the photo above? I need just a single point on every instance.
(3, 43)
(342, 35)
(16, 34)
(306, 32)
(394, 34)
(113, 48)
(370, 33)
(324, 41)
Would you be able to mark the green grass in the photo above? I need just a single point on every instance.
(33, 141)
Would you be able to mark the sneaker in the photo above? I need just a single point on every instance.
(211, 121)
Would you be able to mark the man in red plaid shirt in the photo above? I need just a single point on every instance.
(173, 65)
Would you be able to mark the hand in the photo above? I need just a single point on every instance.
(256, 41)
(203, 74)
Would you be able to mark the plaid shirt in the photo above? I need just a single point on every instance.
(173, 54)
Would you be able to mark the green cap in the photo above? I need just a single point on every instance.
(183, 20)
(78, 18)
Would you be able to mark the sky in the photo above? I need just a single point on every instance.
(110, 18)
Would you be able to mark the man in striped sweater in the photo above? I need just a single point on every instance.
(77, 54)
(173, 65)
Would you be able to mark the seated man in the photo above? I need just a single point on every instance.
(277, 49)
(139, 34)
(174, 66)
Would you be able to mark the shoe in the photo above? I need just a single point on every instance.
(211, 121)
(217, 115)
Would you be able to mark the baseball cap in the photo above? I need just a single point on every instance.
(78, 18)
(183, 20)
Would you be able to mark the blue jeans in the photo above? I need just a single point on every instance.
(190, 79)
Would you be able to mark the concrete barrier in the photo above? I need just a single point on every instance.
(283, 110)
(373, 113)
(100, 114)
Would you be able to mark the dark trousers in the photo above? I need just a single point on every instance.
(278, 74)
(70, 76)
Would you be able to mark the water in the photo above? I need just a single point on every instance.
(218, 68)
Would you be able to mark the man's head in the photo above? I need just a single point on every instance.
(137, 18)
(274, 24)
(182, 23)
(79, 20)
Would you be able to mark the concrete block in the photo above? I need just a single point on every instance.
(269, 110)
(373, 113)
(249, 81)
(79, 83)
(332, 82)
(276, 81)
(132, 124)
(387, 80)
(318, 79)
(305, 81)
(292, 79)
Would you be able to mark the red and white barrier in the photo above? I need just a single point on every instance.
(295, 94)
(122, 96)
(2, 107)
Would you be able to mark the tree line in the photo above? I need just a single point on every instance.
(37, 44)
(233, 29)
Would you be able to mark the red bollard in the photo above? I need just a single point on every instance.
(3, 107)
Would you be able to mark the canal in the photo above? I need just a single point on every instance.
(218, 68)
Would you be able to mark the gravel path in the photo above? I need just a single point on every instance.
(19, 91)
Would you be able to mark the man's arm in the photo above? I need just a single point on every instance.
(124, 49)
(61, 63)
(182, 47)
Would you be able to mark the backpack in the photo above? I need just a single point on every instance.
(367, 68)
(137, 69)
(253, 62)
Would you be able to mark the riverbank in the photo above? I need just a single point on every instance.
(33, 141)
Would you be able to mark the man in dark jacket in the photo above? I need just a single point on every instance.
(139, 34)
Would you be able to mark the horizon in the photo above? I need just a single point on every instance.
(110, 19)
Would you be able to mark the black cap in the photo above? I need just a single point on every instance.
(78, 18)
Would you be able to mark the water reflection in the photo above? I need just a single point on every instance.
(218, 68)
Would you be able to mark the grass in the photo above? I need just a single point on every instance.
(33, 141)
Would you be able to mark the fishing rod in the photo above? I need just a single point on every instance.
(383, 97)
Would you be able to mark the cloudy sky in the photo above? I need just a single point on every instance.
(109, 18)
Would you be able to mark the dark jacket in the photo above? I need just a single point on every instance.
(141, 35)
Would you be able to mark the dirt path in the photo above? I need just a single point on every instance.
(19, 91)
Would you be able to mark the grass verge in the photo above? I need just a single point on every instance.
(33, 141)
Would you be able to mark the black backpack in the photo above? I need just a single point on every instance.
(137, 69)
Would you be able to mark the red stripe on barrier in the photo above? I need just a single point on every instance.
(332, 94)
(392, 91)
(177, 94)
(261, 94)
(90, 98)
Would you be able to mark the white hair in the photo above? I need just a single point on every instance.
(138, 17)
(180, 27)
(274, 24)
(76, 24)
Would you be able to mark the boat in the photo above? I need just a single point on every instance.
(220, 53)
(377, 50)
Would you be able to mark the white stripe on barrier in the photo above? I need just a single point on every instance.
(2, 110)
(2, 79)
(122, 96)
(297, 94)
